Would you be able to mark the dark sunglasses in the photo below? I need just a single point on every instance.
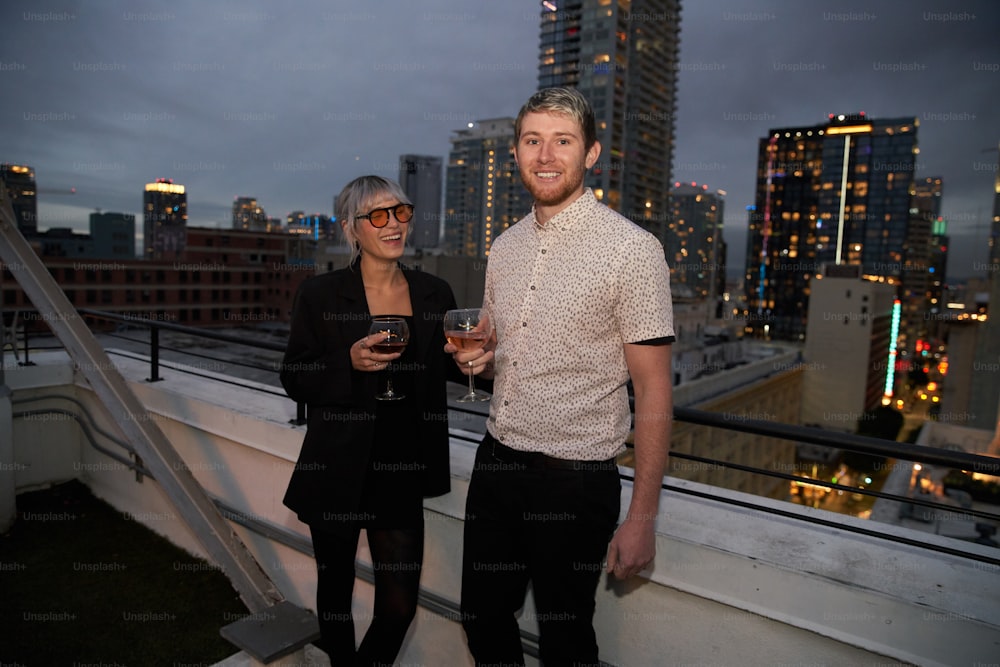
(379, 217)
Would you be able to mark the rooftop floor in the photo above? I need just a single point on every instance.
(84, 583)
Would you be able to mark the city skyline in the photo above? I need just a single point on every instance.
(288, 105)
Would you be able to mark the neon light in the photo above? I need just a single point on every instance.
(772, 148)
(843, 200)
(890, 373)
(849, 129)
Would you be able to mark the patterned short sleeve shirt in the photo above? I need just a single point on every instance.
(565, 298)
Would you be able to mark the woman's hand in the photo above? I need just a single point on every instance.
(364, 358)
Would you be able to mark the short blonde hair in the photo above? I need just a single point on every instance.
(357, 198)
(567, 101)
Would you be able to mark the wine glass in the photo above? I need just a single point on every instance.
(468, 329)
(394, 335)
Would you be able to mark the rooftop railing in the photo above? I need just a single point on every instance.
(888, 449)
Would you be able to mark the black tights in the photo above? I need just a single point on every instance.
(397, 556)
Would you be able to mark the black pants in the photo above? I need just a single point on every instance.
(527, 521)
(397, 557)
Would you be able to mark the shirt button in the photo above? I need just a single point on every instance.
(506, 403)
(532, 288)
(524, 324)
(544, 251)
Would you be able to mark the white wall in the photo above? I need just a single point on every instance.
(730, 586)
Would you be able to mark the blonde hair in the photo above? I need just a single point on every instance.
(357, 198)
(568, 101)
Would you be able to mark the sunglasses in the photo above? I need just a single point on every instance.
(379, 217)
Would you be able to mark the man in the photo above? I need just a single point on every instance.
(580, 302)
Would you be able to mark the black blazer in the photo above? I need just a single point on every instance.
(331, 314)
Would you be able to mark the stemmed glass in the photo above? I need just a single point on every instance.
(394, 335)
(468, 329)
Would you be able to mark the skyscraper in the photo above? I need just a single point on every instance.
(484, 194)
(113, 235)
(164, 219)
(694, 247)
(836, 193)
(248, 215)
(20, 183)
(925, 265)
(420, 177)
(623, 56)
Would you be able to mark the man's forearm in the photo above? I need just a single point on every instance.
(651, 438)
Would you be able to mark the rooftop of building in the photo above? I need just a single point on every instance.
(788, 582)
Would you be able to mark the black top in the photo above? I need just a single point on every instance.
(349, 432)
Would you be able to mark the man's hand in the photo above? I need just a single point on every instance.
(474, 362)
(632, 548)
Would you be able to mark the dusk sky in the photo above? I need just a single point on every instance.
(286, 102)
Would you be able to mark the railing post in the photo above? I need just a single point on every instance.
(154, 354)
(27, 348)
(300, 414)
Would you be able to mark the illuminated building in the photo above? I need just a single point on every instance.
(248, 215)
(696, 253)
(484, 194)
(838, 194)
(925, 266)
(20, 182)
(164, 219)
(623, 56)
(316, 226)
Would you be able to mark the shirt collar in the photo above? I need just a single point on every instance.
(564, 219)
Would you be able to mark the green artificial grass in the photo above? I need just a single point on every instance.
(81, 582)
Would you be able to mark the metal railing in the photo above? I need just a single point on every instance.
(889, 449)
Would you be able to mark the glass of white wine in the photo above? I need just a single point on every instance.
(393, 334)
(468, 329)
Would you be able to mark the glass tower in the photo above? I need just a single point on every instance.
(831, 194)
(623, 56)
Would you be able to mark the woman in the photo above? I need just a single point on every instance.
(368, 464)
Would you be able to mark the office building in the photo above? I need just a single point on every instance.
(316, 226)
(420, 177)
(20, 183)
(113, 235)
(164, 225)
(222, 278)
(925, 267)
(484, 194)
(694, 247)
(623, 56)
(849, 356)
(835, 193)
(248, 215)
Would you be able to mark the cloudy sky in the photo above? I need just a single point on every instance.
(288, 101)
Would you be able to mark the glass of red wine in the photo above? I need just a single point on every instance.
(393, 335)
(468, 329)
